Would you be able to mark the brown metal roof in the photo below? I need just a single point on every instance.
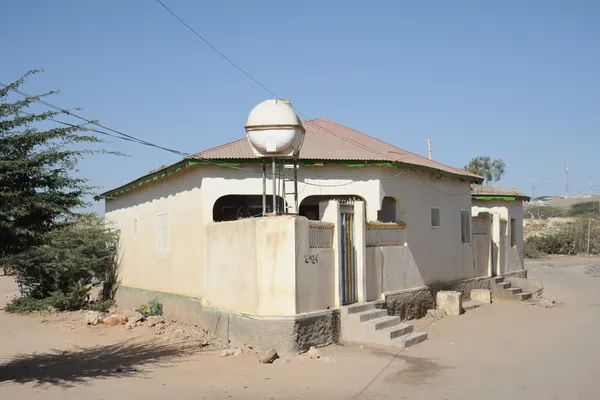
(327, 140)
(482, 190)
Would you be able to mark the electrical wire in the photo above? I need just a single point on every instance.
(215, 49)
(131, 138)
(219, 52)
(444, 193)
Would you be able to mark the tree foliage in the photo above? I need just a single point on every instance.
(55, 252)
(70, 258)
(37, 188)
(490, 169)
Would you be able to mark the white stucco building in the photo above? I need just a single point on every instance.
(504, 207)
(377, 223)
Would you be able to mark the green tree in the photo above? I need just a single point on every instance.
(55, 252)
(69, 260)
(38, 190)
(490, 169)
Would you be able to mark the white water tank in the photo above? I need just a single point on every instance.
(274, 129)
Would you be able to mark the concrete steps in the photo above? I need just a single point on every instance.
(368, 325)
(503, 290)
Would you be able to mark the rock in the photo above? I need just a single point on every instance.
(132, 315)
(228, 352)
(313, 353)
(238, 352)
(93, 318)
(115, 319)
(287, 360)
(437, 314)
(131, 324)
(547, 302)
(155, 320)
(268, 356)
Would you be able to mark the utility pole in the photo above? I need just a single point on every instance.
(536, 202)
(429, 147)
(566, 181)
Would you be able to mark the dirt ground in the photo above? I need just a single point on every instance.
(506, 350)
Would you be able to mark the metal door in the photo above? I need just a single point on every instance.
(348, 264)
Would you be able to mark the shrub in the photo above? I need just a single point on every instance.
(23, 305)
(567, 239)
(75, 299)
(70, 258)
(101, 305)
(154, 307)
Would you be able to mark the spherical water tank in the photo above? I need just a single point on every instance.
(274, 129)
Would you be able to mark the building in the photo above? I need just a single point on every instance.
(377, 223)
(504, 209)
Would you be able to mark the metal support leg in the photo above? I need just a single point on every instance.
(264, 196)
(296, 186)
(274, 171)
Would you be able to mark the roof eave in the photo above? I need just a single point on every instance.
(505, 197)
(188, 162)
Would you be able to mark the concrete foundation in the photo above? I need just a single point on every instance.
(288, 335)
(449, 302)
(482, 295)
(516, 274)
(414, 303)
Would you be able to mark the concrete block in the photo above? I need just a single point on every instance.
(482, 295)
(450, 302)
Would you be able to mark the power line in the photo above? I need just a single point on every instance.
(229, 60)
(134, 139)
(215, 49)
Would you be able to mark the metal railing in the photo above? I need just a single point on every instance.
(320, 235)
(379, 234)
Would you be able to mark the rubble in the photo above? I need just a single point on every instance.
(313, 353)
(115, 319)
(436, 314)
(238, 352)
(593, 271)
(155, 320)
(268, 356)
(228, 352)
(93, 318)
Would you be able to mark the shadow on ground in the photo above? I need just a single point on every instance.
(66, 368)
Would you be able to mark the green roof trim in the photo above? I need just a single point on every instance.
(187, 163)
(499, 197)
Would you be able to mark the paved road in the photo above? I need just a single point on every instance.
(502, 351)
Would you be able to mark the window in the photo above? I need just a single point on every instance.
(465, 226)
(388, 210)
(163, 242)
(135, 227)
(513, 232)
(435, 217)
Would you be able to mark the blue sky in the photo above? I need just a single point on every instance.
(517, 80)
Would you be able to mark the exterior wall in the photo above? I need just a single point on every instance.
(509, 258)
(180, 269)
(335, 180)
(434, 254)
(315, 288)
(390, 268)
(481, 254)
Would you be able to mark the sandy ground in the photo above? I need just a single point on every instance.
(506, 350)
